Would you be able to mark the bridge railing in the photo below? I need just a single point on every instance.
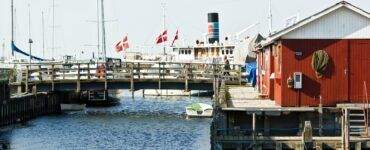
(128, 70)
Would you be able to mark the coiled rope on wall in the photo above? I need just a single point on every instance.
(320, 61)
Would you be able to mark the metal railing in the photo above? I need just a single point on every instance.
(366, 109)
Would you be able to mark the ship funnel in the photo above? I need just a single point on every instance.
(213, 28)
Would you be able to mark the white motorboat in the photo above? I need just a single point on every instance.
(199, 110)
(72, 107)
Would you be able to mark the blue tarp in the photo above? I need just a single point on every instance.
(250, 70)
(16, 49)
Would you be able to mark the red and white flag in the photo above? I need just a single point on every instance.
(175, 38)
(122, 44)
(125, 44)
(119, 46)
(161, 38)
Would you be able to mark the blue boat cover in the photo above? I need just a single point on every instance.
(250, 70)
(16, 49)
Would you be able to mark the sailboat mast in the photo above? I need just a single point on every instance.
(53, 32)
(29, 35)
(3, 45)
(43, 35)
(103, 32)
(164, 26)
(270, 17)
(98, 24)
(12, 24)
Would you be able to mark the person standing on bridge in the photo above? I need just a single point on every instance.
(227, 67)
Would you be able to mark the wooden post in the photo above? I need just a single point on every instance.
(299, 146)
(88, 71)
(105, 76)
(240, 75)
(345, 130)
(78, 88)
(27, 75)
(159, 77)
(40, 73)
(138, 70)
(214, 77)
(186, 79)
(52, 78)
(132, 80)
(278, 146)
(64, 73)
(358, 146)
(266, 123)
(254, 126)
(318, 146)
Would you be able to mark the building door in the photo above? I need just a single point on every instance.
(359, 66)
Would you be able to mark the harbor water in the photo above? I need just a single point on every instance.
(140, 123)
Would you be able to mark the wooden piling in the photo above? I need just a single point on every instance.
(88, 71)
(22, 108)
(132, 88)
(26, 79)
(52, 78)
(78, 87)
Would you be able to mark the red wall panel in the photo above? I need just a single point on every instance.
(277, 51)
(343, 81)
(265, 65)
(332, 88)
(359, 69)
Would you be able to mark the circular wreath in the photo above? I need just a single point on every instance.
(320, 61)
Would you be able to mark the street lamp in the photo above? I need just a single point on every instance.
(30, 41)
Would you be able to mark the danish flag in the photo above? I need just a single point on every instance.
(175, 38)
(162, 38)
(122, 45)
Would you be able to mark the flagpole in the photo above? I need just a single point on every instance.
(98, 28)
(103, 32)
(164, 28)
(29, 34)
(53, 32)
(43, 34)
(12, 23)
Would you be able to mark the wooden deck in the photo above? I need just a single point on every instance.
(246, 98)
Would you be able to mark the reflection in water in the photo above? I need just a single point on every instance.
(143, 123)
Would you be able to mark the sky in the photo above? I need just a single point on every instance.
(142, 21)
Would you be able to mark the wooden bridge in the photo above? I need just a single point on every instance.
(47, 77)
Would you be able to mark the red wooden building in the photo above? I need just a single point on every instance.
(343, 32)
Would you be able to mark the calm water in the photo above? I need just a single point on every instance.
(143, 123)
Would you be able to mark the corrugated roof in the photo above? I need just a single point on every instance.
(312, 18)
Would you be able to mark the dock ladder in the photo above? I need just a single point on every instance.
(358, 117)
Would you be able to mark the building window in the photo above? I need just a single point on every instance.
(189, 52)
(231, 52)
(227, 52)
(223, 52)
